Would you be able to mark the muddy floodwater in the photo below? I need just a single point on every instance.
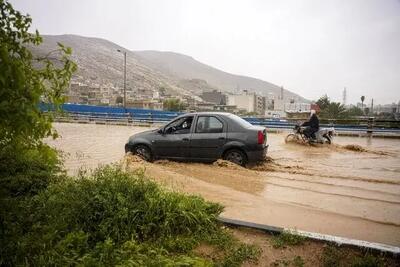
(335, 189)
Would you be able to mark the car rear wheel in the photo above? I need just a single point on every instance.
(236, 156)
(144, 152)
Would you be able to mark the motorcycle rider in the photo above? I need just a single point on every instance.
(312, 125)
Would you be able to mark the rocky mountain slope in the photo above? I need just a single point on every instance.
(181, 66)
(99, 62)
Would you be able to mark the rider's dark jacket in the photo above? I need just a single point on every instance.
(313, 122)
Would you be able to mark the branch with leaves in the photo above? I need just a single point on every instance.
(26, 81)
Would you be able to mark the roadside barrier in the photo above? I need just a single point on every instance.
(315, 236)
(120, 116)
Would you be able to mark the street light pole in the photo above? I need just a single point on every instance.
(124, 52)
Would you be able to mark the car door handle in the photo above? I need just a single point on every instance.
(221, 138)
(185, 139)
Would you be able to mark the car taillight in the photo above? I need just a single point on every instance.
(260, 138)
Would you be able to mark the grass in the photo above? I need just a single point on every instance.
(297, 261)
(239, 254)
(229, 251)
(333, 256)
(286, 239)
(367, 260)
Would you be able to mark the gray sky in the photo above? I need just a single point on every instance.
(310, 47)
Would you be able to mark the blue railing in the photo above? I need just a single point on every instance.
(134, 114)
(148, 115)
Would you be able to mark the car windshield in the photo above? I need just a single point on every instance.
(240, 121)
(180, 126)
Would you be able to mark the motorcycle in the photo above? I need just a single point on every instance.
(323, 136)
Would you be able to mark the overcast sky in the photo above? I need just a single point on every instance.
(309, 47)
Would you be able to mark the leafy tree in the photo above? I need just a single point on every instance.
(26, 81)
(26, 163)
(173, 104)
(334, 110)
(323, 102)
(354, 111)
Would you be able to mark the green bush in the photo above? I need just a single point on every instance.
(27, 171)
(109, 216)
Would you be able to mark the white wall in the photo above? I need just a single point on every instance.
(246, 102)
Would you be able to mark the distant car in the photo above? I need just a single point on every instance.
(202, 136)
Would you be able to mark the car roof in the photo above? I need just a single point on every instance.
(207, 113)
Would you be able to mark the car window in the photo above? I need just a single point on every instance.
(209, 124)
(180, 126)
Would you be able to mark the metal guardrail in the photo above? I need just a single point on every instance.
(119, 115)
(159, 117)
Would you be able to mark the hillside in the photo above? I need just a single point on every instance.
(100, 63)
(181, 66)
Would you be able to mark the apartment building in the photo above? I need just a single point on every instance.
(248, 102)
(214, 96)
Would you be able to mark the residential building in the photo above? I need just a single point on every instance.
(260, 106)
(297, 107)
(73, 99)
(145, 104)
(214, 96)
(225, 108)
(205, 106)
(249, 102)
(275, 108)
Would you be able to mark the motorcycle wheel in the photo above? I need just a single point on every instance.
(291, 138)
(328, 140)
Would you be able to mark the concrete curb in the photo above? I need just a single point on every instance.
(315, 236)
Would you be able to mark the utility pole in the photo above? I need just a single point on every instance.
(344, 101)
(372, 106)
(362, 104)
(124, 52)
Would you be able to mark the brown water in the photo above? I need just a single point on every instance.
(326, 189)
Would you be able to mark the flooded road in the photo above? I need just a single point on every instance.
(326, 189)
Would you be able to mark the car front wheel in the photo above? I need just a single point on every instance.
(143, 152)
(236, 156)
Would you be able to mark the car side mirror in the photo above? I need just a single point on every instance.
(161, 131)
